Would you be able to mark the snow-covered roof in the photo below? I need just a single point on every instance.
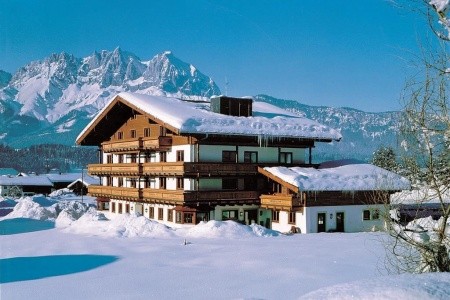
(341, 176)
(40, 180)
(87, 180)
(64, 177)
(268, 121)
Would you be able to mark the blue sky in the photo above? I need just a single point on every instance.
(339, 53)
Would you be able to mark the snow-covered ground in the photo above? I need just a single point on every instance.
(53, 248)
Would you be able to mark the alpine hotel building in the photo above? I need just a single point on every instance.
(182, 162)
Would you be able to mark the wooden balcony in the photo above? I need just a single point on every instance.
(122, 193)
(180, 197)
(199, 169)
(115, 169)
(160, 143)
(281, 202)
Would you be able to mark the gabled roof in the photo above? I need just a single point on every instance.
(338, 176)
(183, 117)
(40, 180)
(87, 180)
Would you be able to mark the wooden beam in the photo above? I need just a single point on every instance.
(278, 180)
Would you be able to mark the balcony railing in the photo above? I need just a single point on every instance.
(175, 197)
(281, 201)
(160, 143)
(199, 169)
(124, 193)
(115, 169)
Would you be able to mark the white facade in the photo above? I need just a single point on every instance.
(306, 220)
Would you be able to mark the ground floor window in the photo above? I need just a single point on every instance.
(229, 215)
(275, 215)
(170, 215)
(119, 208)
(292, 215)
(202, 216)
(127, 208)
(113, 207)
(371, 214)
(188, 217)
(160, 213)
(151, 212)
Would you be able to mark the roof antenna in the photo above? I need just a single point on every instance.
(226, 86)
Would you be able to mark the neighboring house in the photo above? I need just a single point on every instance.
(182, 162)
(336, 196)
(80, 185)
(19, 186)
(8, 172)
(62, 180)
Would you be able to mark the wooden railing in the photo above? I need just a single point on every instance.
(281, 201)
(160, 143)
(170, 196)
(114, 192)
(192, 169)
(115, 169)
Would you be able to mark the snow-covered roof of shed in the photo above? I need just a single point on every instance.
(268, 121)
(64, 177)
(40, 180)
(87, 180)
(341, 176)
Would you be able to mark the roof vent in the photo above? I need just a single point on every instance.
(239, 107)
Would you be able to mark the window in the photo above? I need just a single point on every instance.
(375, 214)
(150, 183)
(250, 157)
(275, 216)
(180, 183)
(160, 213)
(292, 217)
(188, 217)
(120, 158)
(229, 156)
(133, 158)
(109, 159)
(162, 156)
(366, 215)
(285, 157)
(120, 135)
(178, 217)
(134, 116)
(127, 208)
(133, 182)
(119, 208)
(170, 215)
(151, 212)
(120, 181)
(113, 207)
(147, 132)
(229, 183)
(229, 215)
(133, 133)
(180, 155)
(109, 181)
(162, 183)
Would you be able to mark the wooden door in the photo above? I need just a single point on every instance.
(340, 222)
(321, 222)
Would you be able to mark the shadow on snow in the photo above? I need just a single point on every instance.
(23, 225)
(31, 268)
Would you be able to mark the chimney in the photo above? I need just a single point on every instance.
(239, 107)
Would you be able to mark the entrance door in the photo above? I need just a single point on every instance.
(340, 222)
(321, 222)
(251, 216)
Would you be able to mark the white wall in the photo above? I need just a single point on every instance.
(188, 153)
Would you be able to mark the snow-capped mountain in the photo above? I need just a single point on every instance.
(51, 101)
(60, 92)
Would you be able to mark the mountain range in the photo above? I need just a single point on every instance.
(52, 100)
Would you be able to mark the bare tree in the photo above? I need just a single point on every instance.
(423, 245)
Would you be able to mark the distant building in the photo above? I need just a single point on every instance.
(183, 162)
(81, 184)
(19, 186)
